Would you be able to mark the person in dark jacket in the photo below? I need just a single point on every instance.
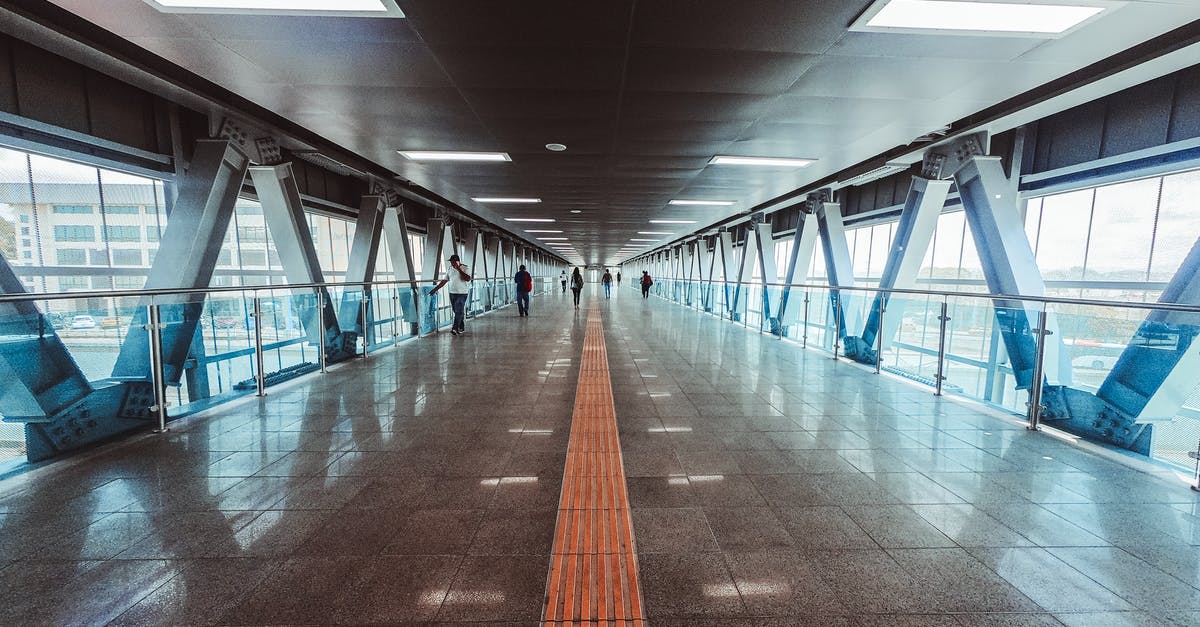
(576, 285)
(524, 285)
(646, 283)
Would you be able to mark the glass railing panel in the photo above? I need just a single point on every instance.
(972, 348)
(912, 349)
(92, 329)
(226, 333)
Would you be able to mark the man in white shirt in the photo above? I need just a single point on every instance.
(460, 286)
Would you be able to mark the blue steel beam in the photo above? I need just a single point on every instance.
(360, 268)
(283, 211)
(395, 232)
(40, 376)
(838, 268)
(914, 231)
(1153, 377)
(187, 256)
(804, 242)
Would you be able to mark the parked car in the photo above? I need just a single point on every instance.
(55, 319)
(83, 322)
(1095, 362)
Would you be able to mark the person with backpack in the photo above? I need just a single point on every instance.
(460, 286)
(524, 286)
(576, 285)
(607, 281)
(646, 283)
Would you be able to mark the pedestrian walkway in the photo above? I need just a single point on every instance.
(766, 485)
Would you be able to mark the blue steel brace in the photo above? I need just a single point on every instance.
(283, 211)
(914, 231)
(804, 241)
(187, 255)
(360, 268)
(1152, 378)
(838, 267)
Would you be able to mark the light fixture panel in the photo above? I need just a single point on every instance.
(453, 155)
(994, 18)
(702, 203)
(318, 8)
(767, 162)
(504, 200)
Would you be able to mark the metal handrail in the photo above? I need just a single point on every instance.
(985, 296)
(7, 298)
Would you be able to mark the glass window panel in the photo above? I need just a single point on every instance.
(1122, 229)
(1178, 225)
(74, 209)
(121, 209)
(123, 233)
(74, 233)
(71, 256)
(1063, 237)
(126, 257)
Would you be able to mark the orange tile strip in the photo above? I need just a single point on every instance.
(593, 570)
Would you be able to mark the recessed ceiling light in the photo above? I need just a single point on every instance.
(641, 239)
(556, 147)
(541, 231)
(372, 8)
(654, 233)
(576, 211)
(672, 222)
(509, 200)
(775, 162)
(451, 155)
(530, 219)
(548, 239)
(703, 203)
(934, 16)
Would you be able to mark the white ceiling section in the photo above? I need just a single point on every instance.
(643, 93)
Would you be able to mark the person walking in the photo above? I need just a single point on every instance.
(562, 276)
(460, 286)
(576, 285)
(646, 283)
(524, 286)
(607, 281)
(618, 279)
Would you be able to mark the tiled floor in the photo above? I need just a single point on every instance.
(769, 486)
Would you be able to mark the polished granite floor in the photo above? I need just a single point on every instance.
(769, 486)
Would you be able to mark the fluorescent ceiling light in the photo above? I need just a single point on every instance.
(450, 155)
(703, 203)
(541, 231)
(509, 200)
(672, 222)
(641, 239)
(530, 219)
(776, 162)
(924, 16)
(373, 8)
(654, 233)
(548, 239)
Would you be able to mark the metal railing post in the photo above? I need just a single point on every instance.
(1035, 388)
(837, 325)
(804, 339)
(941, 362)
(323, 334)
(395, 315)
(879, 336)
(157, 378)
(260, 377)
(366, 323)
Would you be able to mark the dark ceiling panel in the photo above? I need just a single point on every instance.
(697, 107)
(719, 71)
(570, 68)
(527, 23)
(542, 103)
(771, 25)
(347, 63)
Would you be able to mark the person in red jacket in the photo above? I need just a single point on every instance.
(646, 283)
